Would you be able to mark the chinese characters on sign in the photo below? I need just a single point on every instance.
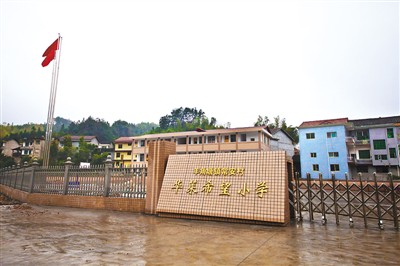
(219, 171)
(207, 188)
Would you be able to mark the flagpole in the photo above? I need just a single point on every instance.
(52, 101)
(48, 135)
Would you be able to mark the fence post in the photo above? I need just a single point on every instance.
(362, 199)
(348, 200)
(310, 204)
(321, 191)
(32, 181)
(378, 203)
(297, 179)
(16, 175)
(335, 203)
(23, 174)
(394, 205)
(107, 176)
(68, 164)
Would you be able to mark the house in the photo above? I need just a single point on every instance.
(342, 146)
(27, 147)
(323, 148)
(374, 145)
(282, 141)
(130, 151)
(75, 140)
(10, 147)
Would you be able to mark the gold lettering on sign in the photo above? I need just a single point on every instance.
(219, 171)
(244, 190)
(178, 185)
(208, 187)
(225, 189)
(261, 189)
(192, 187)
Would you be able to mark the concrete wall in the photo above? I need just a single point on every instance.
(87, 202)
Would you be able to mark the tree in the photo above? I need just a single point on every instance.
(278, 123)
(262, 121)
(185, 119)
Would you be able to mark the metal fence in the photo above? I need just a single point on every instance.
(100, 180)
(364, 198)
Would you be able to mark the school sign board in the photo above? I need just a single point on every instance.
(248, 186)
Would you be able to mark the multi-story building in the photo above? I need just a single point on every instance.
(323, 148)
(342, 146)
(200, 141)
(123, 152)
(373, 145)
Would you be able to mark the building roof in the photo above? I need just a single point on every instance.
(276, 130)
(376, 121)
(124, 140)
(77, 138)
(324, 123)
(196, 133)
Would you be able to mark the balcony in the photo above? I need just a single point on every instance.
(362, 142)
(352, 160)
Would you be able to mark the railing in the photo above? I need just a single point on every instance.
(100, 180)
(366, 199)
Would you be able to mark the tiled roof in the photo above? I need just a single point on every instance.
(205, 132)
(77, 138)
(376, 121)
(326, 122)
(124, 140)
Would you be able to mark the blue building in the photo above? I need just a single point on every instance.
(323, 148)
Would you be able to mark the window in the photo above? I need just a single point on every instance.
(181, 141)
(331, 135)
(118, 154)
(129, 153)
(142, 143)
(390, 133)
(313, 155)
(226, 139)
(381, 157)
(310, 135)
(334, 154)
(243, 137)
(362, 135)
(392, 152)
(233, 138)
(315, 167)
(335, 167)
(194, 140)
(252, 139)
(130, 144)
(119, 146)
(211, 139)
(141, 157)
(364, 154)
(379, 144)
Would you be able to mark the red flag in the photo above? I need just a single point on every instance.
(50, 53)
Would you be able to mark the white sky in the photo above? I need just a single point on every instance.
(235, 60)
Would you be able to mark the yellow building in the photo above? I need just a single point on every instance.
(200, 141)
(123, 152)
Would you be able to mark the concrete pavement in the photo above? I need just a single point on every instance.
(37, 235)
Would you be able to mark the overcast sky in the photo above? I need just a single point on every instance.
(235, 60)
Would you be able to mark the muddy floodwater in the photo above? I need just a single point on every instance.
(35, 235)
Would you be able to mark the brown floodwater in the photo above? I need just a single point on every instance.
(38, 235)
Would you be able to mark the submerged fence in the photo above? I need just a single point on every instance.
(364, 198)
(102, 180)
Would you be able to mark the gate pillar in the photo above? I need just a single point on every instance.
(158, 157)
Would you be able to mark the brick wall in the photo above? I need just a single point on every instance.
(87, 202)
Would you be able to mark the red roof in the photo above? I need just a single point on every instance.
(327, 122)
(124, 140)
